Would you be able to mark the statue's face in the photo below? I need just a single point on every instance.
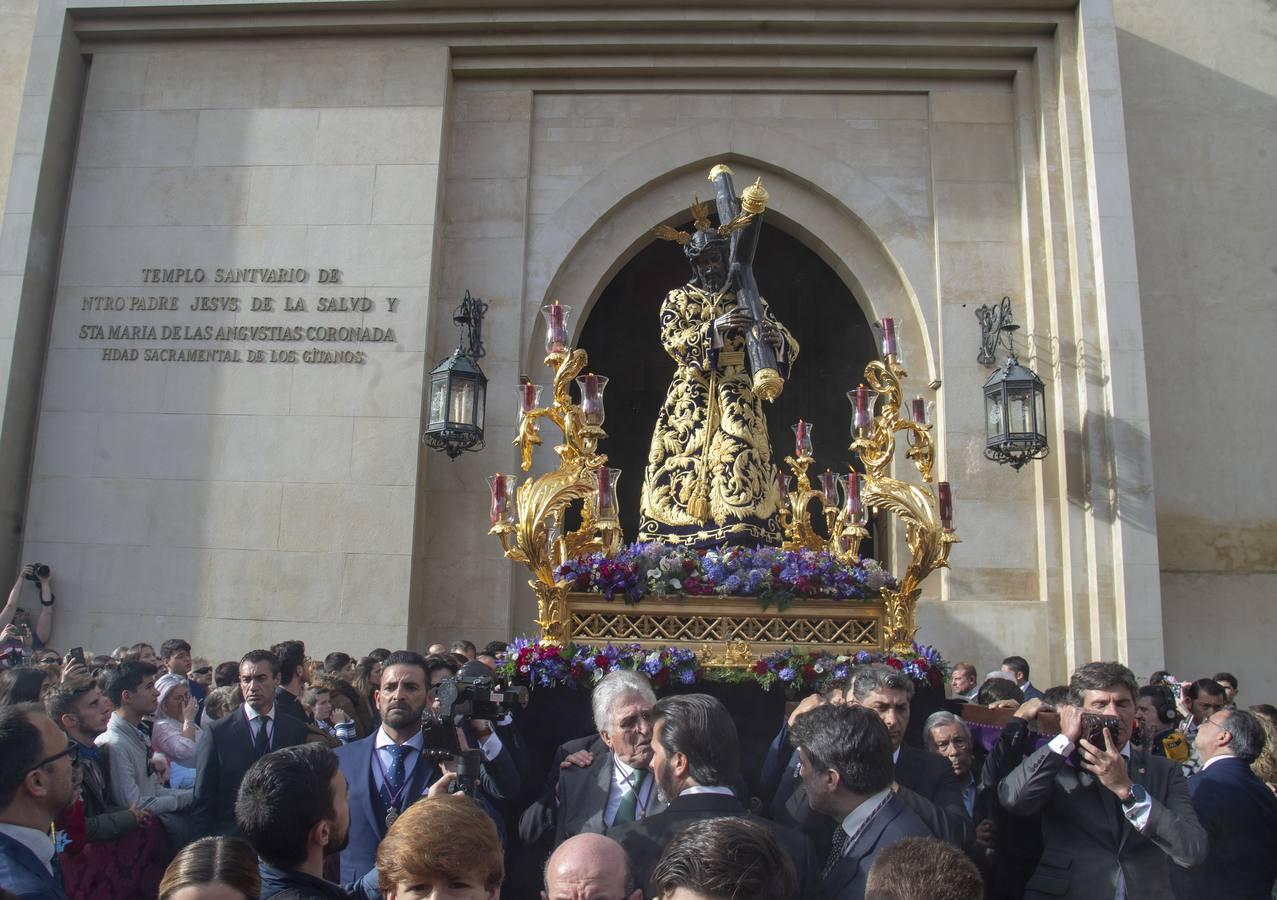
(710, 271)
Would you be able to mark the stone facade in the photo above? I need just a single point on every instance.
(239, 504)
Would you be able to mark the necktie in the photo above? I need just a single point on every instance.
(261, 744)
(395, 774)
(835, 851)
(629, 800)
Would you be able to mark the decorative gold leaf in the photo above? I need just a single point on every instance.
(666, 233)
(736, 224)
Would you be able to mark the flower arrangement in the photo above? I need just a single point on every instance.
(539, 664)
(772, 575)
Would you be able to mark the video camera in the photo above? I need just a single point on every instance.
(466, 696)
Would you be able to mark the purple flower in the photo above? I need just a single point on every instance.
(787, 674)
(687, 676)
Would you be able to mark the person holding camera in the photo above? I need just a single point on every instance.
(17, 636)
(388, 771)
(1114, 822)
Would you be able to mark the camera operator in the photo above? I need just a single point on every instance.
(15, 622)
(388, 771)
(499, 767)
(1112, 825)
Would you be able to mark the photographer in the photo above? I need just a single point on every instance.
(388, 771)
(15, 622)
(1112, 825)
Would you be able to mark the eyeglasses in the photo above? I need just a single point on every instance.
(1216, 724)
(72, 750)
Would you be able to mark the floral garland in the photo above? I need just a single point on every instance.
(772, 575)
(545, 665)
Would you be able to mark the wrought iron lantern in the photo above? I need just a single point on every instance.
(458, 387)
(1014, 398)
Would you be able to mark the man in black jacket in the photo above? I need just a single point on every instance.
(695, 761)
(236, 741)
(292, 808)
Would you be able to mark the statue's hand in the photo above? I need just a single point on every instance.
(772, 335)
(733, 323)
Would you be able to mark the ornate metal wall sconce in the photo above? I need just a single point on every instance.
(458, 387)
(1014, 396)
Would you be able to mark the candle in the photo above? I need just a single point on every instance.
(888, 336)
(829, 487)
(854, 504)
(802, 440)
(863, 401)
(782, 486)
(500, 497)
(945, 496)
(605, 485)
(591, 387)
(527, 397)
(919, 410)
(556, 330)
(463, 405)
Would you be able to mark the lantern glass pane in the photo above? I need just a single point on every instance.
(480, 399)
(993, 415)
(438, 400)
(461, 402)
(1021, 412)
(1040, 406)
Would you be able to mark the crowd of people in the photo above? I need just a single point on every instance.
(145, 773)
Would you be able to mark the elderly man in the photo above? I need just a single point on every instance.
(616, 787)
(590, 867)
(964, 682)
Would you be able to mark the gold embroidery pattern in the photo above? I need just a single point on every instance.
(723, 450)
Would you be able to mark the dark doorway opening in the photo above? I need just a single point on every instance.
(622, 337)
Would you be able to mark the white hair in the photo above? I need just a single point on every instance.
(616, 685)
(942, 718)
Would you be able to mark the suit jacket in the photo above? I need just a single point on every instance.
(644, 840)
(894, 822)
(224, 756)
(1017, 839)
(103, 820)
(1086, 839)
(575, 803)
(1239, 814)
(1031, 692)
(287, 703)
(24, 875)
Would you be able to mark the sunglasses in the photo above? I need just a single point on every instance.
(72, 750)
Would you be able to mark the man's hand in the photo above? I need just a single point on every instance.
(1004, 704)
(810, 702)
(11, 633)
(159, 762)
(582, 759)
(1029, 709)
(440, 787)
(140, 815)
(984, 834)
(339, 716)
(1106, 764)
(1071, 722)
(733, 323)
(74, 672)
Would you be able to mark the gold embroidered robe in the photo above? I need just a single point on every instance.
(710, 440)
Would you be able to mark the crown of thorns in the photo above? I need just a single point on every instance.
(700, 218)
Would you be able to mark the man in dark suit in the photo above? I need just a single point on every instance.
(1018, 668)
(927, 783)
(387, 771)
(1237, 810)
(616, 787)
(235, 742)
(696, 762)
(35, 786)
(845, 754)
(1113, 824)
(292, 678)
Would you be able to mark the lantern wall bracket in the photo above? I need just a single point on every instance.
(469, 319)
(994, 321)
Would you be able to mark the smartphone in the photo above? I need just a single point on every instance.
(76, 654)
(1093, 726)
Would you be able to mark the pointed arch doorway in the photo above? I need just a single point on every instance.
(622, 336)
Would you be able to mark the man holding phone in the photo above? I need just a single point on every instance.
(1114, 822)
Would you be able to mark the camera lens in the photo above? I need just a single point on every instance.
(41, 570)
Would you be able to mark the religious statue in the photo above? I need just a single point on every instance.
(710, 478)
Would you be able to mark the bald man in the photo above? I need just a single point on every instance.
(589, 867)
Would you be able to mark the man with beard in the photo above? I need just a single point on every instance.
(386, 771)
(710, 478)
(293, 809)
(695, 760)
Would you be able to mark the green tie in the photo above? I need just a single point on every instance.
(629, 801)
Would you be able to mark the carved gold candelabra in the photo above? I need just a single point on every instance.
(529, 519)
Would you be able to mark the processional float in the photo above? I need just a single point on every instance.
(529, 518)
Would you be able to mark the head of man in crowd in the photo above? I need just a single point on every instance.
(923, 867)
(81, 711)
(176, 655)
(963, 678)
(226, 674)
(338, 663)
(441, 847)
(436, 649)
(622, 704)
(35, 768)
(1228, 681)
(887, 692)
(292, 807)
(1000, 690)
(1205, 698)
(1230, 732)
(259, 679)
(404, 694)
(491, 652)
(846, 757)
(201, 672)
(1154, 711)
(590, 867)
(724, 859)
(465, 648)
(694, 744)
(292, 665)
(949, 736)
(1107, 689)
(1018, 668)
(220, 701)
(130, 687)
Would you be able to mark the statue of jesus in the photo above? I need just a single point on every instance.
(710, 479)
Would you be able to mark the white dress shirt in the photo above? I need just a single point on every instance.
(858, 818)
(624, 775)
(706, 789)
(381, 744)
(39, 843)
(255, 722)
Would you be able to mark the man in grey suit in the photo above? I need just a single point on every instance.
(1114, 820)
(617, 786)
(846, 766)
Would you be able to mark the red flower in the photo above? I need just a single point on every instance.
(809, 672)
(600, 662)
(661, 677)
(689, 566)
(895, 663)
(760, 667)
(578, 671)
(935, 678)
